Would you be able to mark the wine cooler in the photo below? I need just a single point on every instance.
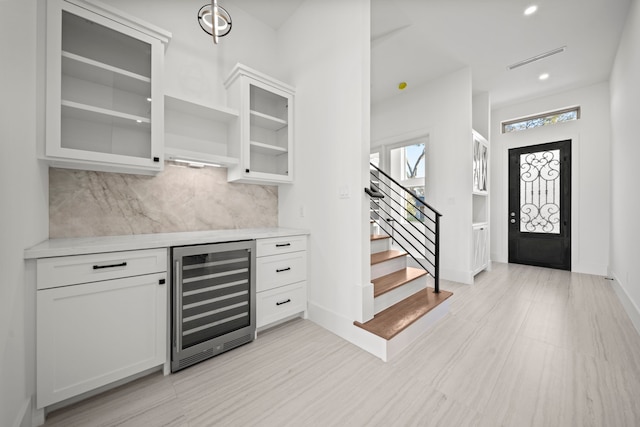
(213, 300)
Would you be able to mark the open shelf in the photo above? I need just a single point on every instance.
(266, 121)
(198, 109)
(90, 113)
(198, 157)
(269, 149)
(104, 74)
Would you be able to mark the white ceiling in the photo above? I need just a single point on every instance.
(417, 41)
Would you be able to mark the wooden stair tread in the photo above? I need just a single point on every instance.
(379, 237)
(379, 257)
(387, 283)
(390, 322)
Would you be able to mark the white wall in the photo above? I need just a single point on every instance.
(441, 109)
(195, 68)
(590, 152)
(23, 212)
(330, 71)
(482, 114)
(625, 152)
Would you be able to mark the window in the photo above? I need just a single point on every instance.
(408, 168)
(544, 119)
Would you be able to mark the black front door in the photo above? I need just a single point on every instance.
(540, 205)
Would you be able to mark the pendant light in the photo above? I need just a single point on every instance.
(214, 20)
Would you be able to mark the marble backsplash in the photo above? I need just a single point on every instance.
(87, 204)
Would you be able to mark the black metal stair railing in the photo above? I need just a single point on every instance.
(411, 223)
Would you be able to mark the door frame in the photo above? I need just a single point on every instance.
(567, 223)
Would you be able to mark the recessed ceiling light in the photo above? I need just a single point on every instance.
(544, 76)
(531, 10)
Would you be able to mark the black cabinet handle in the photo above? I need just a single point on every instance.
(282, 245)
(98, 267)
(283, 269)
(284, 302)
(162, 282)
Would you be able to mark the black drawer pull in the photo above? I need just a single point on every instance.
(284, 302)
(282, 245)
(283, 269)
(122, 264)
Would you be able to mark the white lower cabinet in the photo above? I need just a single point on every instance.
(92, 334)
(279, 303)
(281, 273)
(480, 248)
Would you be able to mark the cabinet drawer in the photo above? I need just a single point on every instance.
(71, 270)
(279, 303)
(279, 270)
(280, 245)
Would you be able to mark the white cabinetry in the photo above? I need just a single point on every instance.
(281, 273)
(480, 247)
(198, 133)
(480, 203)
(100, 318)
(263, 138)
(104, 103)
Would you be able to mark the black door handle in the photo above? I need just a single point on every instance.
(122, 264)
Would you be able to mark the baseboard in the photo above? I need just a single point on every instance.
(23, 419)
(345, 329)
(629, 306)
(465, 277)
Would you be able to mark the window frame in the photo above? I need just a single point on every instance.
(544, 115)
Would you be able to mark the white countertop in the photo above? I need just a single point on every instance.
(90, 245)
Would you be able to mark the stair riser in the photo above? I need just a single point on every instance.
(388, 267)
(415, 331)
(390, 298)
(374, 228)
(380, 245)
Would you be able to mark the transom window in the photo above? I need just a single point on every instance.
(544, 119)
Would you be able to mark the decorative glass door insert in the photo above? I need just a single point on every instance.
(540, 192)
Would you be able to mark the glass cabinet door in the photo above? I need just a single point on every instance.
(102, 104)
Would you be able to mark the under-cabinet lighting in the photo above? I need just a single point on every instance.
(196, 164)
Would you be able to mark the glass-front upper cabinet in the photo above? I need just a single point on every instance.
(104, 108)
(480, 164)
(263, 138)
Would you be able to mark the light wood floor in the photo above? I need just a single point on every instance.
(524, 346)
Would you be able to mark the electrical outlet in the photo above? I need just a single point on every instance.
(343, 192)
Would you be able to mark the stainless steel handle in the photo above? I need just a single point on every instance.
(177, 288)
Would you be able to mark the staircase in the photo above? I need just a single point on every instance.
(407, 300)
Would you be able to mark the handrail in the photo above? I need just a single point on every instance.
(406, 189)
(373, 193)
(413, 225)
(381, 194)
